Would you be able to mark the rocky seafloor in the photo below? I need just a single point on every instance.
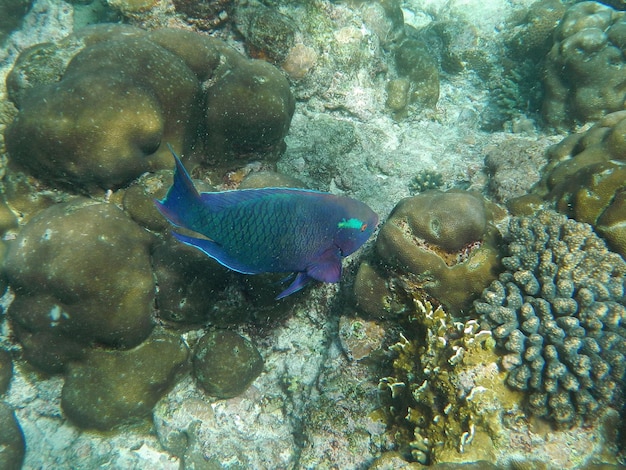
(389, 99)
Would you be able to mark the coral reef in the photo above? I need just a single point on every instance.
(81, 275)
(445, 392)
(225, 364)
(558, 313)
(532, 33)
(443, 243)
(11, 14)
(584, 77)
(188, 283)
(6, 370)
(515, 90)
(128, 7)
(205, 14)
(585, 178)
(513, 164)
(110, 388)
(248, 106)
(416, 63)
(268, 33)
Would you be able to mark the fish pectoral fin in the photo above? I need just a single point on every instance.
(215, 251)
(301, 280)
(326, 270)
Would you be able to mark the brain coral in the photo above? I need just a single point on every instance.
(558, 311)
(585, 69)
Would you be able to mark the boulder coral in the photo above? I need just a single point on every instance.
(111, 388)
(442, 243)
(585, 178)
(585, 69)
(97, 108)
(81, 275)
(225, 364)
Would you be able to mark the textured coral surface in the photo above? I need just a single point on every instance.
(558, 313)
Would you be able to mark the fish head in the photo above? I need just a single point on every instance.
(355, 230)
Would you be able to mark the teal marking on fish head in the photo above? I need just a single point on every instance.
(355, 231)
(356, 224)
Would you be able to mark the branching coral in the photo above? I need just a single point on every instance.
(558, 311)
(445, 391)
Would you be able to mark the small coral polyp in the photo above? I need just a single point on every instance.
(558, 311)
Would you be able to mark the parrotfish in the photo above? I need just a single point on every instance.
(269, 230)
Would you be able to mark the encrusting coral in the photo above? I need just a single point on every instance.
(558, 312)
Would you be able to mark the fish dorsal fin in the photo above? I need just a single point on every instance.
(223, 199)
(327, 268)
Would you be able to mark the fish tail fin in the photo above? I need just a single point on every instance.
(181, 199)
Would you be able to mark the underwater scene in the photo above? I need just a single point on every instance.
(313, 234)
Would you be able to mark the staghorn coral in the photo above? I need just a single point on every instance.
(558, 311)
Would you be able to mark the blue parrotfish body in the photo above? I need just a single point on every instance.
(267, 230)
